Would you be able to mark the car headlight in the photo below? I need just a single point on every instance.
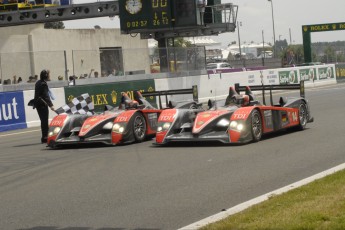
(166, 125)
(163, 126)
(223, 123)
(55, 131)
(235, 125)
(240, 127)
(116, 126)
(119, 127)
(108, 126)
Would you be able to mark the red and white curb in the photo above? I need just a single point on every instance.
(257, 200)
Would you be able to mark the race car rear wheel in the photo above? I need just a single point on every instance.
(139, 127)
(256, 124)
(303, 116)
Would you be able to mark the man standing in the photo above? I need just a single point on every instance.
(202, 5)
(42, 102)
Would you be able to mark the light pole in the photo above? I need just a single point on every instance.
(239, 40)
(263, 48)
(274, 33)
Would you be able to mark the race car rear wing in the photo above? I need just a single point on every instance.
(193, 90)
(299, 86)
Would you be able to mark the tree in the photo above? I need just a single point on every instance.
(54, 25)
(179, 42)
(178, 45)
(329, 55)
(280, 46)
(180, 55)
(292, 55)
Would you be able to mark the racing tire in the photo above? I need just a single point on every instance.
(139, 127)
(303, 115)
(256, 125)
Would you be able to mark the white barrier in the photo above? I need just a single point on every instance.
(32, 119)
(217, 85)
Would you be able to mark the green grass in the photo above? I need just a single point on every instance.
(318, 205)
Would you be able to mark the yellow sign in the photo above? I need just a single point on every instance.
(114, 97)
(324, 27)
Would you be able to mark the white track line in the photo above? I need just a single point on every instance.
(247, 204)
(11, 134)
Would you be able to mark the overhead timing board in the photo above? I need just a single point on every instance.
(139, 15)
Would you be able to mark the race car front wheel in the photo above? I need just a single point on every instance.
(256, 124)
(139, 127)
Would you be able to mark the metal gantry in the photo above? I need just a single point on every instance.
(224, 17)
(59, 13)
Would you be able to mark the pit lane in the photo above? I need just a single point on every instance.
(140, 186)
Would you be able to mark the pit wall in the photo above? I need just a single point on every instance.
(15, 114)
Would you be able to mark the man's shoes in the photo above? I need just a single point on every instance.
(43, 140)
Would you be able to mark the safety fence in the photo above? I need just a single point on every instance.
(26, 66)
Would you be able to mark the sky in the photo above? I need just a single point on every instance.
(256, 16)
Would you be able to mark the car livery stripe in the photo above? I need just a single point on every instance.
(234, 136)
(168, 115)
(58, 121)
(123, 117)
(240, 114)
(93, 121)
(204, 118)
(160, 136)
(116, 137)
(293, 116)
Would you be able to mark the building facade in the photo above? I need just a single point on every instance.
(26, 50)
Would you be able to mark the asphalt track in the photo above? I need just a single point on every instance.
(140, 186)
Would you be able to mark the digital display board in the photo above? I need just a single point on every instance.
(138, 15)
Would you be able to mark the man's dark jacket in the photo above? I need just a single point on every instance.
(42, 97)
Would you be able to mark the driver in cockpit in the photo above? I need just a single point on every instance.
(237, 99)
(126, 102)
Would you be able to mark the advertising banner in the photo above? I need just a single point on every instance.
(325, 73)
(307, 74)
(12, 111)
(272, 78)
(288, 77)
(340, 72)
(110, 93)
